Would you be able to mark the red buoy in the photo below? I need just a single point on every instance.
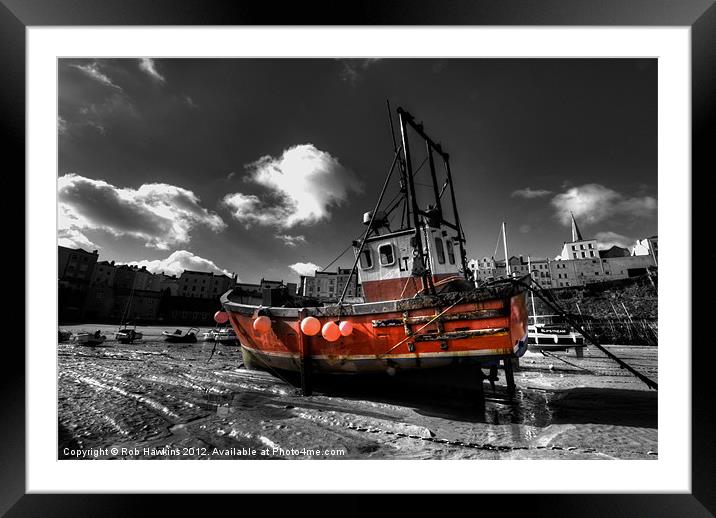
(262, 324)
(345, 327)
(330, 331)
(310, 326)
(221, 317)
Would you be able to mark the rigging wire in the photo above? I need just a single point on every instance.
(339, 255)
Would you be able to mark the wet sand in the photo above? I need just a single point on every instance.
(158, 400)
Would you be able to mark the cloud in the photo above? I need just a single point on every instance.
(73, 238)
(529, 194)
(608, 239)
(352, 69)
(291, 241)
(179, 261)
(92, 71)
(592, 203)
(158, 213)
(300, 187)
(304, 268)
(190, 102)
(147, 65)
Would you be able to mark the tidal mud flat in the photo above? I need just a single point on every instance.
(156, 400)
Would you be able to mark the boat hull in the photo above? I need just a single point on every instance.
(89, 340)
(418, 333)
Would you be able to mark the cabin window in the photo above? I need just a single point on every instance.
(385, 253)
(440, 250)
(450, 251)
(366, 260)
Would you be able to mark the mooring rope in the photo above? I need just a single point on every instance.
(556, 307)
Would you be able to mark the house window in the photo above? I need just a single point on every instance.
(366, 260)
(450, 251)
(440, 250)
(583, 255)
(385, 253)
(591, 253)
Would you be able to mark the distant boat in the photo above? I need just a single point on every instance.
(553, 332)
(63, 336)
(179, 336)
(126, 335)
(224, 335)
(89, 339)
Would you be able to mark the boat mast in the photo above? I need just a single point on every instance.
(532, 295)
(435, 212)
(504, 243)
(417, 241)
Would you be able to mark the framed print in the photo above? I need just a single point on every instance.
(418, 240)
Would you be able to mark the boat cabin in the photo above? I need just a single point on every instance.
(385, 267)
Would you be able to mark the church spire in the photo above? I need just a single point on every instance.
(576, 234)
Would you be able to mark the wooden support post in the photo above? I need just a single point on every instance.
(509, 376)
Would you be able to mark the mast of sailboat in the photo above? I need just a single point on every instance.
(504, 244)
(532, 295)
(129, 301)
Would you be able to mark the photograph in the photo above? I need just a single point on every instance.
(389, 258)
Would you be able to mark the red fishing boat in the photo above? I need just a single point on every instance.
(421, 308)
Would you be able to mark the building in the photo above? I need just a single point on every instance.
(486, 269)
(580, 263)
(75, 268)
(328, 286)
(204, 285)
(578, 247)
(647, 246)
(103, 274)
(169, 284)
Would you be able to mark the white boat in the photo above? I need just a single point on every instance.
(179, 336)
(224, 335)
(127, 336)
(90, 339)
(553, 332)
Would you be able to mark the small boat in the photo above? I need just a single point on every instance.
(89, 339)
(126, 335)
(224, 335)
(181, 337)
(63, 336)
(421, 308)
(553, 332)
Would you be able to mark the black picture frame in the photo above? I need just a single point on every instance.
(699, 15)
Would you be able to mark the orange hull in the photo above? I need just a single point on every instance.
(402, 334)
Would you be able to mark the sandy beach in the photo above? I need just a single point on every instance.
(157, 400)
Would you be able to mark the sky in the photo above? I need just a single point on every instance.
(264, 167)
